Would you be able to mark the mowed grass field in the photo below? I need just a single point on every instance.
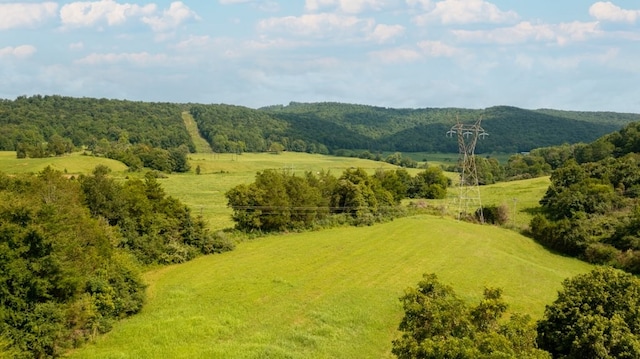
(204, 193)
(326, 294)
(72, 164)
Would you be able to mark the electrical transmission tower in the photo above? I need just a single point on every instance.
(468, 188)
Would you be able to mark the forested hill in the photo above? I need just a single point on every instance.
(511, 129)
(96, 124)
(85, 121)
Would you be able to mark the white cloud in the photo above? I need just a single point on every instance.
(317, 25)
(346, 6)
(575, 61)
(14, 15)
(194, 42)
(438, 49)
(176, 15)
(464, 12)
(19, 52)
(397, 55)
(139, 59)
(607, 11)
(526, 31)
(425, 4)
(85, 13)
(76, 45)
(383, 33)
(264, 5)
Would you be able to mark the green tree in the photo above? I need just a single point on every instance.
(438, 324)
(430, 183)
(596, 315)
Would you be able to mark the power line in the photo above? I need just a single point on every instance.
(469, 187)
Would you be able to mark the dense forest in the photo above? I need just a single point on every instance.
(139, 134)
(129, 131)
(70, 253)
(345, 126)
(592, 207)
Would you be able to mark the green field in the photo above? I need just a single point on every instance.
(75, 163)
(204, 193)
(327, 294)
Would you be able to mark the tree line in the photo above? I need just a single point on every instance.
(71, 252)
(280, 201)
(140, 134)
(591, 209)
(40, 126)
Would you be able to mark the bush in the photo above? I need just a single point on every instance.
(600, 253)
(494, 214)
(219, 242)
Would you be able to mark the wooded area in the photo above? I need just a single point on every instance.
(40, 126)
(71, 251)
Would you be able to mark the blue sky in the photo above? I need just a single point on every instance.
(574, 55)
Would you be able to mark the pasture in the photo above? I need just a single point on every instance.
(204, 193)
(326, 294)
(73, 164)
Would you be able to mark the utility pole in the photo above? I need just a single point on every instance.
(469, 187)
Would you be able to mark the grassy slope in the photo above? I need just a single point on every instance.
(322, 294)
(202, 146)
(74, 163)
(328, 294)
(220, 172)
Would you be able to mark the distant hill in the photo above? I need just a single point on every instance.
(511, 129)
(301, 127)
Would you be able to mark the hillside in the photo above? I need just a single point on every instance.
(511, 129)
(33, 122)
(327, 294)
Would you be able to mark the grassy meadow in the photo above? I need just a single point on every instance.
(73, 164)
(325, 294)
(204, 193)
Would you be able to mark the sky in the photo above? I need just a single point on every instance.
(581, 55)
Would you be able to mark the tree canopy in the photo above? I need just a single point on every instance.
(596, 315)
(438, 324)
(591, 209)
(70, 252)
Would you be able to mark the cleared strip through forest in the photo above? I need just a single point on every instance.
(202, 146)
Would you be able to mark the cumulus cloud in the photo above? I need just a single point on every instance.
(339, 27)
(85, 13)
(425, 4)
(383, 33)
(15, 15)
(526, 31)
(397, 55)
(18, 52)
(346, 6)
(139, 59)
(438, 49)
(464, 12)
(607, 11)
(177, 14)
(316, 25)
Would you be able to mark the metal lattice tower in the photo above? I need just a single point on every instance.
(468, 188)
